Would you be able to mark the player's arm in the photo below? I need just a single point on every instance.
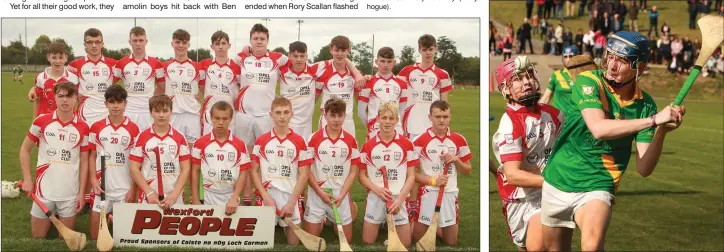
(356, 74)
(362, 103)
(349, 181)
(518, 177)
(195, 183)
(492, 167)
(240, 183)
(409, 183)
(607, 129)
(92, 168)
(25, 149)
(365, 181)
(256, 180)
(312, 182)
(546, 98)
(302, 176)
(83, 178)
(137, 177)
(185, 171)
(648, 148)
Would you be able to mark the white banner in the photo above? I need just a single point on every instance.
(145, 225)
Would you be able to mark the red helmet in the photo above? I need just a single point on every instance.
(511, 68)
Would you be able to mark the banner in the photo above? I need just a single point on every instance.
(146, 225)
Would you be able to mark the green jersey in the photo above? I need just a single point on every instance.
(581, 163)
(20, 70)
(560, 84)
(15, 70)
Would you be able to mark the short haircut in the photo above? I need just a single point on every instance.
(66, 86)
(160, 102)
(389, 107)
(298, 46)
(386, 53)
(56, 47)
(259, 28)
(116, 93)
(439, 104)
(182, 35)
(218, 35)
(222, 106)
(335, 106)
(92, 32)
(340, 42)
(138, 31)
(426, 41)
(281, 102)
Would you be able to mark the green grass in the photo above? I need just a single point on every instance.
(679, 207)
(17, 116)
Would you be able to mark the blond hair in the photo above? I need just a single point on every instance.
(389, 107)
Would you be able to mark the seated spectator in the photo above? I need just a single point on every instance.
(674, 66)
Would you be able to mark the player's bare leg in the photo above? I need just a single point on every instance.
(370, 232)
(405, 233)
(593, 218)
(292, 238)
(450, 234)
(418, 231)
(68, 222)
(39, 227)
(557, 238)
(347, 232)
(534, 237)
(313, 228)
(94, 222)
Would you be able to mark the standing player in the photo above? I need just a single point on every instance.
(62, 170)
(173, 153)
(219, 79)
(280, 167)
(298, 82)
(42, 93)
(561, 83)
(115, 136)
(223, 161)
(594, 147)
(394, 151)
(335, 167)
(438, 147)
(383, 87)
(18, 74)
(182, 85)
(142, 76)
(522, 145)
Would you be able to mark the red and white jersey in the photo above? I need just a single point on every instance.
(279, 159)
(334, 84)
(221, 162)
(220, 82)
(424, 87)
(527, 137)
(396, 156)
(116, 142)
(379, 90)
(182, 85)
(94, 78)
(172, 149)
(333, 158)
(57, 175)
(429, 148)
(299, 87)
(139, 78)
(258, 82)
(44, 84)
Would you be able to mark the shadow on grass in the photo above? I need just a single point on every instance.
(657, 192)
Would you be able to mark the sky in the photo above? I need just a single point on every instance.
(316, 33)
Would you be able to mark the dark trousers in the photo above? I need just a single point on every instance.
(528, 10)
(653, 27)
(692, 20)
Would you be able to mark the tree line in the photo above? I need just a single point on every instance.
(464, 70)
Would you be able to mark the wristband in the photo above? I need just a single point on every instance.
(433, 181)
(653, 121)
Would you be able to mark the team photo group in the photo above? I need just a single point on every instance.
(237, 130)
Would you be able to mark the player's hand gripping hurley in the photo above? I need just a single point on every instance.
(105, 240)
(343, 244)
(427, 242)
(393, 239)
(311, 242)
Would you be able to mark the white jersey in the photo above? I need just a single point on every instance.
(333, 158)
(429, 148)
(182, 85)
(44, 85)
(299, 88)
(94, 78)
(221, 162)
(527, 137)
(220, 82)
(116, 142)
(396, 156)
(334, 84)
(172, 148)
(258, 82)
(424, 87)
(379, 90)
(279, 159)
(139, 78)
(57, 176)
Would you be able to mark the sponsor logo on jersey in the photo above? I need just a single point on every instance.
(588, 90)
(325, 169)
(415, 94)
(249, 75)
(209, 155)
(107, 155)
(436, 168)
(532, 158)
(50, 134)
(212, 173)
(153, 166)
(376, 157)
(51, 152)
(89, 86)
(431, 151)
(214, 86)
(103, 139)
(272, 168)
(323, 152)
(269, 151)
(291, 90)
(531, 135)
(378, 173)
(174, 85)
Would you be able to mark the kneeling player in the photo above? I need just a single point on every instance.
(395, 152)
(522, 145)
(115, 136)
(335, 167)
(160, 185)
(281, 155)
(436, 148)
(223, 160)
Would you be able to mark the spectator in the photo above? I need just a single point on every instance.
(535, 23)
(593, 21)
(582, 7)
(570, 8)
(567, 37)
(664, 46)
(720, 63)
(642, 4)
(551, 38)
(704, 7)
(677, 48)
(654, 59)
(693, 11)
(541, 6)
(507, 47)
(696, 47)
(559, 38)
(493, 35)
(548, 9)
(605, 24)
(685, 66)
(621, 10)
(633, 16)
(592, 7)
(509, 29)
(709, 67)
(616, 24)
(666, 29)
(579, 40)
(528, 8)
(600, 42)
(499, 50)
(526, 35)
(721, 10)
(558, 9)
(589, 41)
(654, 21)
(688, 48)
(521, 40)
(543, 28)
(674, 67)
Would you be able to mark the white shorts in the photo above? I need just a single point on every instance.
(217, 199)
(316, 209)
(143, 120)
(249, 128)
(517, 215)
(64, 209)
(305, 132)
(188, 124)
(559, 207)
(109, 203)
(376, 211)
(347, 126)
(448, 208)
(280, 199)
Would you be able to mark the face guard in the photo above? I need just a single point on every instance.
(519, 69)
(620, 51)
